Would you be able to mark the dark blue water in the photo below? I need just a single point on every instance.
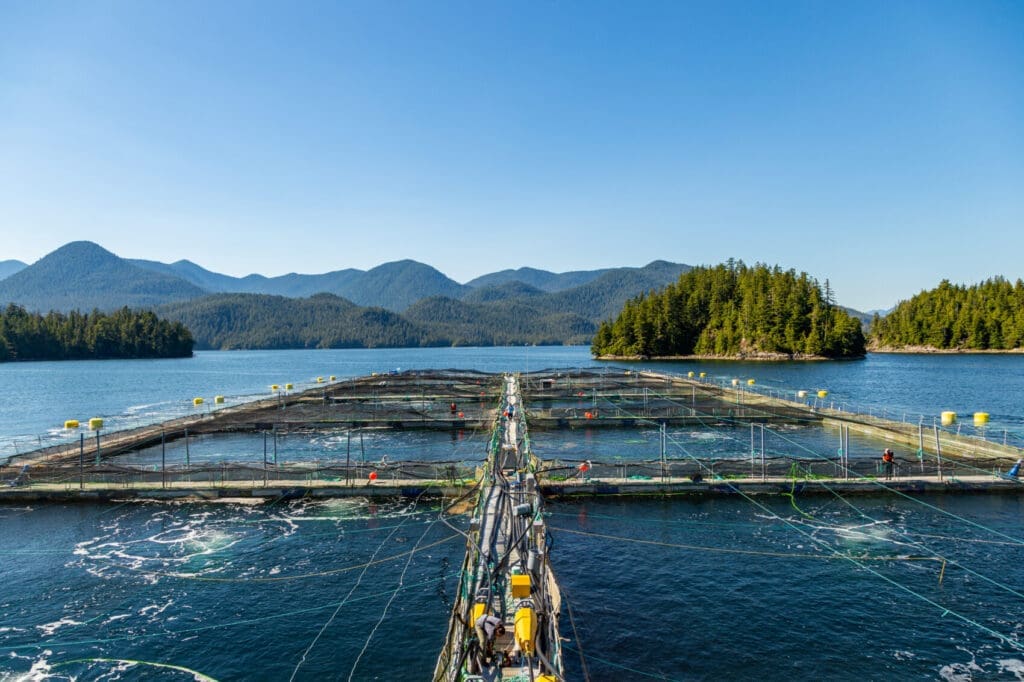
(759, 588)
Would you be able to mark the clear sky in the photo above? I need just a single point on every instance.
(879, 145)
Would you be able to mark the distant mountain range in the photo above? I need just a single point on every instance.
(401, 303)
(9, 267)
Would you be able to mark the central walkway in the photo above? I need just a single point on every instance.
(504, 625)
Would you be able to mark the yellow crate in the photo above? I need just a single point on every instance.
(520, 586)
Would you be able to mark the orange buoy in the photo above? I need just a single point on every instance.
(588, 415)
(461, 415)
(373, 475)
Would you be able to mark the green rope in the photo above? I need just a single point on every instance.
(794, 470)
(199, 677)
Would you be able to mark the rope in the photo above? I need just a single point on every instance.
(330, 620)
(755, 552)
(198, 676)
(1011, 642)
(217, 626)
(906, 496)
(384, 613)
(576, 638)
(283, 578)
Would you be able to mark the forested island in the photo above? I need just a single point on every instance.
(90, 336)
(981, 317)
(733, 311)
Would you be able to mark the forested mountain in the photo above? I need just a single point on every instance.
(394, 286)
(232, 321)
(502, 292)
(604, 297)
(211, 282)
(89, 336)
(539, 279)
(986, 316)
(9, 267)
(398, 285)
(736, 311)
(493, 324)
(84, 276)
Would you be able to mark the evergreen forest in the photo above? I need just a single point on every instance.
(986, 316)
(733, 310)
(90, 336)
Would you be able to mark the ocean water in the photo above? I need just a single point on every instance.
(766, 588)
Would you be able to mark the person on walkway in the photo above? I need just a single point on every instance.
(889, 463)
(487, 628)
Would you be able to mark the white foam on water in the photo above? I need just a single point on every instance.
(50, 628)
(706, 435)
(1011, 666)
(960, 672)
(155, 609)
(39, 671)
(112, 619)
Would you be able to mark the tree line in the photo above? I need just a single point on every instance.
(734, 310)
(985, 316)
(90, 336)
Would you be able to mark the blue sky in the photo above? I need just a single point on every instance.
(877, 145)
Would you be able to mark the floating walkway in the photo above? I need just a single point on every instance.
(504, 623)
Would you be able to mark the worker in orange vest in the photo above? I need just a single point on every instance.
(889, 462)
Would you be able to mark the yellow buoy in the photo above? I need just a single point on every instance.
(218, 399)
(71, 424)
(750, 382)
(525, 627)
(689, 374)
(703, 374)
(948, 418)
(822, 393)
(980, 418)
(801, 394)
(95, 423)
(197, 401)
(274, 387)
(319, 380)
(332, 377)
(287, 387)
(735, 382)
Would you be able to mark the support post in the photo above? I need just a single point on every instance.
(752, 449)
(846, 453)
(663, 461)
(348, 459)
(764, 471)
(97, 447)
(81, 461)
(188, 456)
(938, 453)
(264, 459)
(163, 459)
(920, 442)
(275, 444)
